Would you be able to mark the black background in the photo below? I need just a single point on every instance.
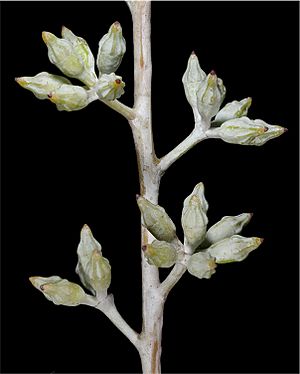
(61, 170)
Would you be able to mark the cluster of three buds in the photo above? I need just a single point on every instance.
(72, 55)
(93, 269)
(206, 248)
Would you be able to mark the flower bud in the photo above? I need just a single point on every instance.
(71, 55)
(112, 48)
(42, 84)
(194, 222)
(198, 191)
(240, 131)
(59, 291)
(110, 87)
(271, 133)
(226, 227)
(235, 109)
(68, 97)
(210, 96)
(97, 273)
(156, 220)
(235, 248)
(160, 254)
(201, 265)
(93, 269)
(192, 79)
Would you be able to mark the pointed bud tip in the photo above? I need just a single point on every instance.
(137, 196)
(20, 81)
(48, 36)
(285, 129)
(85, 229)
(144, 248)
(212, 72)
(193, 53)
(251, 214)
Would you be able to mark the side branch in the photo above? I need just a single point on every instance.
(127, 112)
(107, 306)
(176, 273)
(196, 136)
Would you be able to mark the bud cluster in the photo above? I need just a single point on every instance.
(219, 244)
(73, 57)
(205, 94)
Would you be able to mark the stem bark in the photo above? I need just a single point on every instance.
(149, 176)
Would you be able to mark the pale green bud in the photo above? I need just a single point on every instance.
(71, 55)
(156, 220)
(97, 273)
(235, 109)
(271, 133)
(93, 269)
(235, 248)
(192, 79)
(240, 131)
(194, 222)
(210, 96)
(201, 265)
(110, 87)
(112, 48)
(68, 97)
(59, 291)
(160, 254)
(42, 84)
(82, 49)
(226, 227)
(198, 191)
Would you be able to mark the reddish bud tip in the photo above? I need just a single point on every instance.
(193, 53)
(42, 287)
(212, 72)
(49, 95)
(266, 129)
(285, 129)
(118, 81)
(137, 196)
(261, 240)
(144, 248)
(117, 23)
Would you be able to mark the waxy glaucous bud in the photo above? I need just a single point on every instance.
(160, 254)
(198, 191)
(58, 290)
(271, 133)
(156, 220)
(68, 97)
(192, 79)
(93, 269)
(112, 48)
(110, 87)
(71, 55)
(210, 96)
(235, 109)
(235, 248)
(42, 84)
(201, 265)
(226, 227)
(194, 222)
(240, 131)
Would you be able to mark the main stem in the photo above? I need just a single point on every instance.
(152, 309)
